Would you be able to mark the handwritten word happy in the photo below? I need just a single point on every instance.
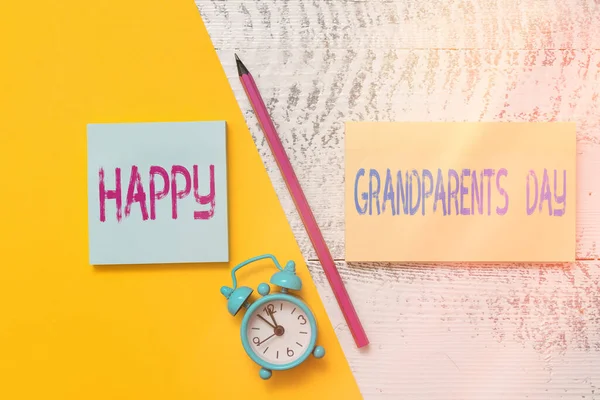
(136, 192)
(467, 192)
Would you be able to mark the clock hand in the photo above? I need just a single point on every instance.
(271, 313)
(261, 317)
(258, 344)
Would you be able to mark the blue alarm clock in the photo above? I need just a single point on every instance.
(279, 331)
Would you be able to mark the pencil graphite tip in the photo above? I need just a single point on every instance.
(240, 66)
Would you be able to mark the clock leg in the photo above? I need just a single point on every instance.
(319, 352)
(265, 373)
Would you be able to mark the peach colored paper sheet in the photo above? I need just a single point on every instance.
(470, 192)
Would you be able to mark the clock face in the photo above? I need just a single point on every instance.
(279, 332)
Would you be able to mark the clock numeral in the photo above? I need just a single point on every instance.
(270, 309)
(301, 317)
(256, 341)
(280, 306)
(290, 352)
(293, 310)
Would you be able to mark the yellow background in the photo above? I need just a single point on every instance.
(69, 330)
(515, 236)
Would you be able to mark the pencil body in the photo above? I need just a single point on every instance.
(293, 185)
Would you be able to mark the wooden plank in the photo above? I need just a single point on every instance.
(483, 332)
(408, 24)
(309, 102)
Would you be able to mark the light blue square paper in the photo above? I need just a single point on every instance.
(149, 231)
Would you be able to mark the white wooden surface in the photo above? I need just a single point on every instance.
(436, 331)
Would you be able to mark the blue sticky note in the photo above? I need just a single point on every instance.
(157, 193)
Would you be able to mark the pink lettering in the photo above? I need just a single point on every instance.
(179, 190)
(135, 184)
(154, 195)
(175, 194)
(110, 194)
(208, 199)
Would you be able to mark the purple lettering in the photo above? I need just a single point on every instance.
(440, 193)
(154, 195)
(374, 193)
(489, 173)
(563, 198)
(400, 192)
(209, 198)
(477, 192)
(364, 195)
(110, 194)
(413, 209)
(429, 192)
(502, 172)
(388, 192)
(452, 194)
(136, 193)
(179, 194)
(531, 209)
(546, 195)
(463, 191)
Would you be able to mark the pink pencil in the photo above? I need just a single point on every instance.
(333, 276)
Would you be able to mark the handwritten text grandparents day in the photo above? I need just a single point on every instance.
(456, 192)
(460, 192)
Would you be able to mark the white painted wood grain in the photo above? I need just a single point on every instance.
(485, 332)
(436, 331)
(403, 24)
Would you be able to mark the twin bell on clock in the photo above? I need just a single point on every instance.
(279, 331)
